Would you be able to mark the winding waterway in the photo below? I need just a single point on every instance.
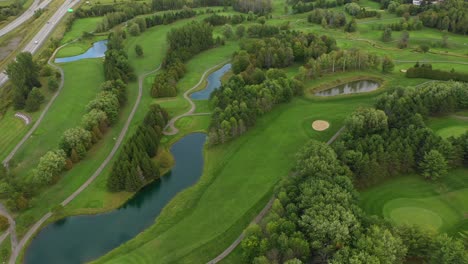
(213, 83)
(350, 88)
(79, 239)
(98, 50)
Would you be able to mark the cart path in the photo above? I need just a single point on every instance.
(260, 216)
(170, 128)
(11, 229)
(33, 230)
(44, 112)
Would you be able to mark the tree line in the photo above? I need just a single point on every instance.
(327, 18)
(316, 218)
(357, 11)
(101, 113)
(426, 71)
(134, 166)
(300, 6)
(392, 138)
(237, 104)
(450, 15)
(116, 65)
(184, 43)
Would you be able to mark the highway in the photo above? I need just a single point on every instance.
(41, 36)
(24, 17)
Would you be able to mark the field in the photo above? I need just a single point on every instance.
(451, 126)
(13, 129)
(238, 177)
(410, 199)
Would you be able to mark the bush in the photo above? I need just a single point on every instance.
(4, 224)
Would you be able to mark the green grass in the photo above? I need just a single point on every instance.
(249, 167)
(79, 26)
(12, 129)
(410, 199)
(448, 126)
(66, 112)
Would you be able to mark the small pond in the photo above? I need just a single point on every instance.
(350, 88)
(214, 82)
(80, 239)
(98, 50)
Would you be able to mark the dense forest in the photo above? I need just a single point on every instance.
(134, 166)
(315, 219)
(450, 15)
(393, 139)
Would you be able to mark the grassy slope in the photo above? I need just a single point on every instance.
(448, 126)
(248, 167)
(446, 202)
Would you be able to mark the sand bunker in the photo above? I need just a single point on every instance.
(24, 117)
(320, 125)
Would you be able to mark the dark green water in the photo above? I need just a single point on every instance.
(80, 239)
(350, 88)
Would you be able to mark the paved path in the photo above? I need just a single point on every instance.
(43, 34)
(170, 128)
(11, 229)
(259, 217)
(33, 230)
(44, 112)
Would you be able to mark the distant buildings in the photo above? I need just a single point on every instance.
(417, 2)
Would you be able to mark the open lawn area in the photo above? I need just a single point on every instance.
(12, 129)
(410, 199)
(449, 126)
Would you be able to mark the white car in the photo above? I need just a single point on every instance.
(35, 42)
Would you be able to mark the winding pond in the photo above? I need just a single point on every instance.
(214, 82)
(81, 239)
(98, 50)
(350, 88)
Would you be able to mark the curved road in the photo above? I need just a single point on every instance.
(11, 229)
(16, 251)
(41, 36)
(170, 128)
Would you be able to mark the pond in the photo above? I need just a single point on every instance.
(214, 82)
(98, 50)
(350, 88)
(80, 239)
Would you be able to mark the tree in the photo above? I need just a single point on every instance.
(50, 165)
(403, 43)
(446, 250)
(227, 31)
(240, 31)
(351, 26)
(76, 138)
(366, 121)
(387, 64)
(424, 48)
(34, 100)
(52, 84)
(387, 34)
(434, 166)
(4, 224)
(24, 74)
(138, 50)
(134, 29)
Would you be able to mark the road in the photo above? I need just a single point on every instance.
(11, 229)
(24, 17)
(41, 36)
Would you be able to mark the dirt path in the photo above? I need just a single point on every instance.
(170, 128)
(44, 112)
(459, 117)
(259, 217)
(33, 230)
